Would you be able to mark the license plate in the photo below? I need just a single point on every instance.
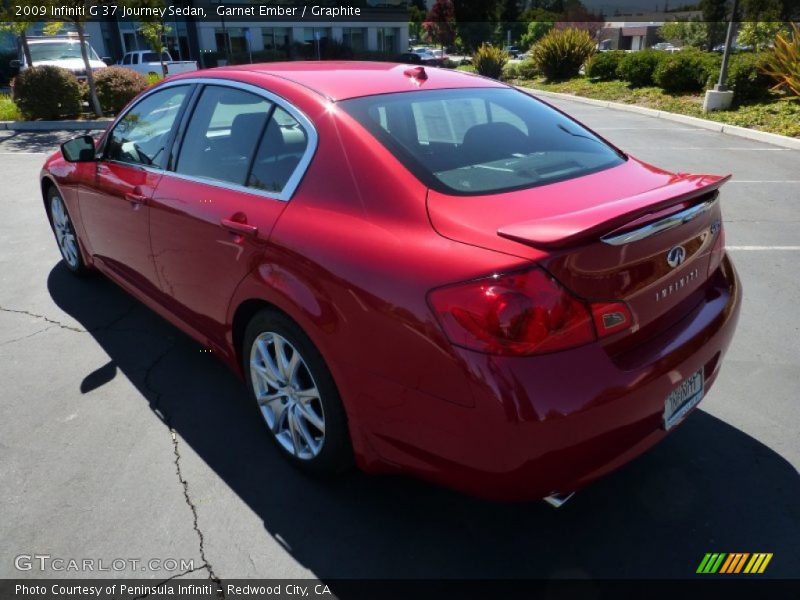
(683, 399)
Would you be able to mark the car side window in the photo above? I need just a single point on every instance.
(280, 151)
(136, 59)
(143, 133)
(222, 134)
(126, 60)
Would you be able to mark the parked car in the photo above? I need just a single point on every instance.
(147, 61)
(415, 269)
(410, 57)
(59, 51)
(512, 51)
(430, 59)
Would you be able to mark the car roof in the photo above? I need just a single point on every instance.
(339, 80)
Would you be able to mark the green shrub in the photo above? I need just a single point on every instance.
(685, 71)
(746, 77)
(8, 110)
(603, 65)
(489, 61)
(528, 69)
(116, 86)
(510, 71)
(637, 68)
(561, 53)
(47, 93)
(782, 63)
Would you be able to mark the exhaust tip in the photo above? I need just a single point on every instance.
(558, 500)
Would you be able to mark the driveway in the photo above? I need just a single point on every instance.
(122, 439)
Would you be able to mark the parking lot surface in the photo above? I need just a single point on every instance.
(121, 439)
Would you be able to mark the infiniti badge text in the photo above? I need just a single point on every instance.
(677, 285)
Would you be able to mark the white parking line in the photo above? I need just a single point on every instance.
(763, 248)
(695, 129)
(716, 148)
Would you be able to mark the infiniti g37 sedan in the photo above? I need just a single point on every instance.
(413, 269)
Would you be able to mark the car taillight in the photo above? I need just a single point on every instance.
(515, 314)
(524, 313)
(718, 251)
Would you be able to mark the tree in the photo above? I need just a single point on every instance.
(760, 34)
(440, 26)
(11, 23)
(540, 21)
(154, 32)
(475, 21)
(18, 28)
(509, 20)
(716, 14)
(416, 16)
(690, 33)
(78, 11)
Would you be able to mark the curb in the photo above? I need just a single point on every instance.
(99, 125)
(735, 130)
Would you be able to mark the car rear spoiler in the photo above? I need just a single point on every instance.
(589, 224)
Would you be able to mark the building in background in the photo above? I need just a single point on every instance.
(384, 28)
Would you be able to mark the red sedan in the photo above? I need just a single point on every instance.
(418, 270)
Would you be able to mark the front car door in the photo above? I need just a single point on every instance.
(239, 156)
(114, 204)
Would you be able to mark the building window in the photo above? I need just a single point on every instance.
(276, 38)
(355, 38)
(233, 38)
(387, 39)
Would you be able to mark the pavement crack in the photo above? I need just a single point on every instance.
(44, 318)
(30, 335)
(176, 576)
(185, 485)
(155, 400)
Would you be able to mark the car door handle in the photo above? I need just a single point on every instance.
(135, 198)
(238, 227)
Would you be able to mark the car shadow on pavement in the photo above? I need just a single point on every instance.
(708, 487)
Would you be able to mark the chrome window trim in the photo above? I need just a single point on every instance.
(670, 222)
(294, 180)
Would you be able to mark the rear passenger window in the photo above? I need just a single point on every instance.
(279, 153)
(222, 135)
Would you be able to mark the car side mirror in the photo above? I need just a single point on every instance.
(14, 64)
(79, 149)
(108, 60)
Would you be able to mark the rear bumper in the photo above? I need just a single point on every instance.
(554, 423)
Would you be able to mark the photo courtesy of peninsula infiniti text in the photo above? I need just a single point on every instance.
(414, 270)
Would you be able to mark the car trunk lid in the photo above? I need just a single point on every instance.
(632, 233)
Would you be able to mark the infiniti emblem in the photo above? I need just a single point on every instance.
(676, 256)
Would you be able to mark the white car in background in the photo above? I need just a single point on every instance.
(147, 61)
(59, 51)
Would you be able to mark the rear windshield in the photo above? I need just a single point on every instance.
(479, 141)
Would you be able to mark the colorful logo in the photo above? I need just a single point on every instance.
(735, 562)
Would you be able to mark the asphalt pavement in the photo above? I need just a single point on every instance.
(121, 439)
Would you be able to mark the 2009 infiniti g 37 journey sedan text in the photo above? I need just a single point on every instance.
(417, 269)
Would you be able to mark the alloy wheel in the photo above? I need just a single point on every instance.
(65, 234)
(287, 395)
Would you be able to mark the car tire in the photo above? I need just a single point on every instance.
(64, 232)
(296, 395)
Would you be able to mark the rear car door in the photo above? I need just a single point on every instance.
(114, 204)
(238, 160)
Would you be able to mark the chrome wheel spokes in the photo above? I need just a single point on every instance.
(65, 234)
(287, 395)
